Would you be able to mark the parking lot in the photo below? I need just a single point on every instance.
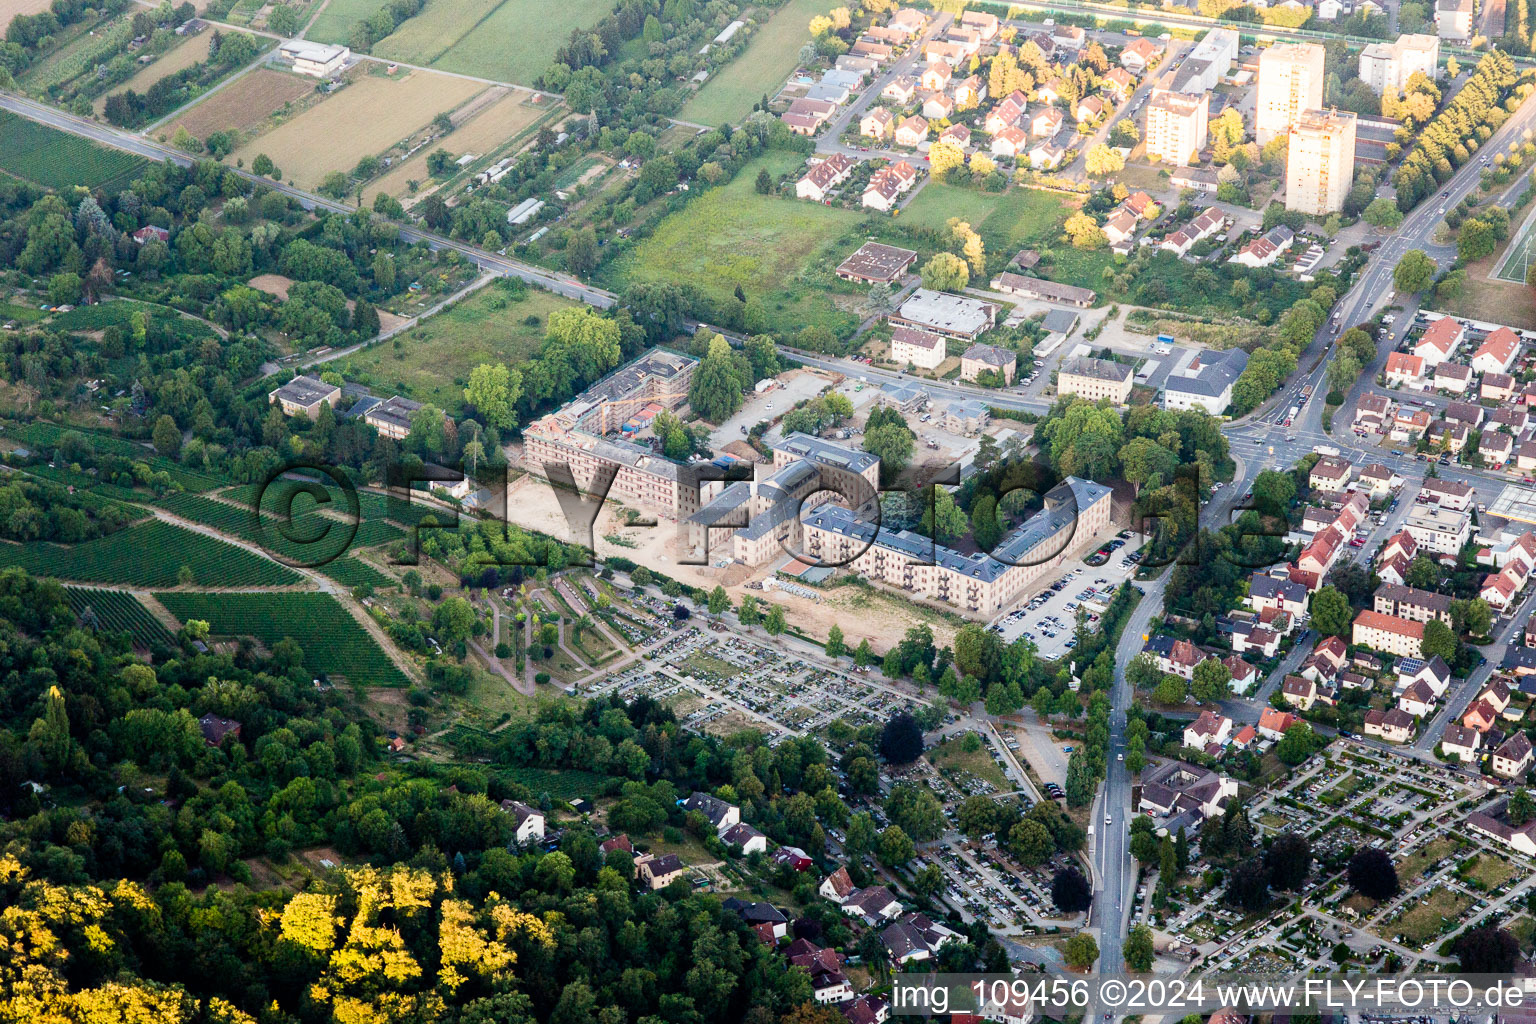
(1049, 616)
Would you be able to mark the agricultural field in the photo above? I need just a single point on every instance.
(771, 54)
(335, 23)
(517, 41)
(481, 134)
(439, 26)
(55, 159)
(115, 611)
(150, 554)
(332, 640)
(91, 45)
(363, 118)
(178, 58)
(261, 94)
(771, 247)
(15, 7)
(431, 363)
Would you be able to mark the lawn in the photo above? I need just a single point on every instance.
(780, 252)
(431, 362)
(1490, 872)
(517, 41)
(1007, 222)
(55, 159)
(1414, 864)
(771, 54)
(1431, 916)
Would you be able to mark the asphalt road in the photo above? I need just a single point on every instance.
(494, 263)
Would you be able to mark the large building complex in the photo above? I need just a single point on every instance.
(1290, 82)
(1208, 62)
(1206, 382)
(1095, 379)
(1320, 164)
(1075, 511)
(580, 434)
(1177, 123)
(1386, 67)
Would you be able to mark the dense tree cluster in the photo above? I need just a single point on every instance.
(1447, 142)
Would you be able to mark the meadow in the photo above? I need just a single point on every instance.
(431, 363)
(116, 611)
(426, 37)
(340, 17)
(149, 554)
(517, 41)
(481, 134)
(771, 54)
(361, 119)
(332, 640)
(779, 251)
(55, 159)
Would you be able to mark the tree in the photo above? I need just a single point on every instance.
(1083, 232)
(167, 437)
(1031, 842)
(764, 183)
(1289, 859)
(1521, 807)
(1138, 951)
(1171, 690)
(1248, 885)
(943, 520)
(1421, 573)
(1414, 272)
(719, 601)
(1438, 639)
(1212, 682)
(946, 272)
(1296, 745)
(1081, 951)
(896, 847)
(1331, 613)
(494, 390)
(774, 623)
(1488, 949)
(1102, 161)
(944, 157)
(1070, 891)
(1372, 874)
(835, 648)
(1383, 213)
(715, 393)
(901, 741)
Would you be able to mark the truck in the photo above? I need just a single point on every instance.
(1324, 449)
(1165, 339)
(1290, 417)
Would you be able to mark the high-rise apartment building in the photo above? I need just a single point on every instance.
(1320, 166)
(1290, 81)
(1386, 67)
(1177, 123)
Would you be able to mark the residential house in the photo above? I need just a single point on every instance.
(1388, 633)
(912, 131)
(304, 395)
(1331, 475)
(874, 904)
(1393, 725)
(1417, 700)
(1512, 758)
(824, 177)
(1497, 352)
(1453, 378)
(1047, 123)
(1007, 112)
(981, 358)
(745, 838)
(214, 729)
(958, 134)
(1439, 340)
(901, 90)
(1177, 787)
(1139, 55)
(936, 76)
(1460, 742)
(1496, 387)
(1447, 494)
(938, 106)
(1467, 413)
(1088, 109)
(914, 937)
(837, 886)
(1009, 142)
(1441, 530)
(1480, 716)
(1495, 448)
(922, 349)
(1372, 411)
(1299, 692)
(1118, 82)
(1403, 368)
(1449, 437)
(659, 872)
(1378, 481)
(1269, 592)
(1210, 729)
(1047, 156)
(877, 124)
(970, 92)
(1266, 249)
(720, 814)
(1273, 723)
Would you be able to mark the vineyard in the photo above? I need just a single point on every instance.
(332, 640)
(372, 506)
(116, 611)
(149, 555)
(55, 159)
(310, 538)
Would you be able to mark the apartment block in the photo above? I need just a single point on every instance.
(1386, 67)
(1320, 167)
(1177, 124)
(1290, 82)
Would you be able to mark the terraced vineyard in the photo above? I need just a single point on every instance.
(311, 539)
(149, 555)
(372, 506)
(332, 640)
(115, 611)
(46, 435)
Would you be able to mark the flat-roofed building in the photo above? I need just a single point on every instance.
(1442, 531)
(1386, 67)
(954, 316)
(1290, 82)
(1177, 123)
(1094, 379)
(1320, 166)
(318, 60)
(304, 395)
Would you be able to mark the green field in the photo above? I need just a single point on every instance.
(332, 640)
(510, 42)
(439, 26)
(340, 17)
(1012, 220)
(55, 159)
(781, 252)
(116, 611)
(149, 555)
(760, 69)
(565, 784)
(431, 362)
